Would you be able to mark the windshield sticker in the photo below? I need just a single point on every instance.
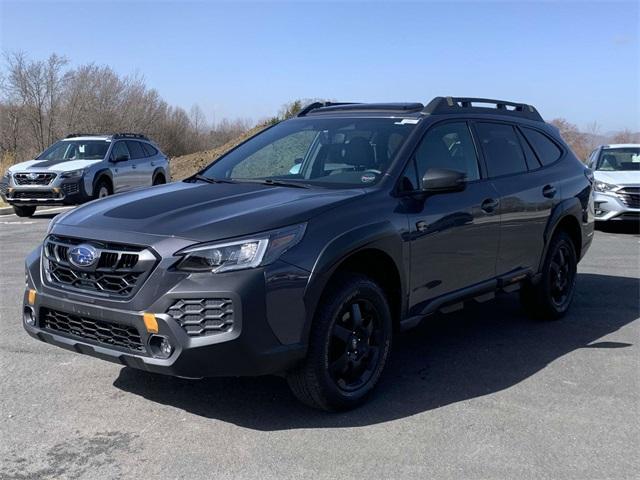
(407, 121)
(368, 178)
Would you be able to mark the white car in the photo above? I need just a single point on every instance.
(616, 169)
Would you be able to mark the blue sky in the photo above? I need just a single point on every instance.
(575, 60)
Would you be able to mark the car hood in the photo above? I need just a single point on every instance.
(205, 212)
(52, 165)
(617, 177)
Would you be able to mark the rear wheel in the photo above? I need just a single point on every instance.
(551, 298)
(103, 189)
(24, 210)
(348, 346)
(159, 180)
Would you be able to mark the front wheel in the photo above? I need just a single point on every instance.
(103, 189)
(551, 298)
(349, 345)
(24, 211)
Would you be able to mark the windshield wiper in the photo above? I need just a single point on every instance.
(280, 183)
(210, 180)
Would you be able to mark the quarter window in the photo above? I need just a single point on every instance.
(532, 161)
(501, 148)
(547, 151)
(447, 146)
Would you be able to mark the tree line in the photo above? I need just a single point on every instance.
(42, 101)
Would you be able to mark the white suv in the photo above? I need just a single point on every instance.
(84, 167)
(616, 169)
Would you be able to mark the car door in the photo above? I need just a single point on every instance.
(141, 177)
(454, 235)
(121, 167)
(527, 191)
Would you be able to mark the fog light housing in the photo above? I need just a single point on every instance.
(160, 346)
(29, 316)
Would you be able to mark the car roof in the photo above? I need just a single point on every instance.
(622, 145)
(439, 106)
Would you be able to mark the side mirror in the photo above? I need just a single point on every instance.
(298, 161)
(438, 180)
(120, 158)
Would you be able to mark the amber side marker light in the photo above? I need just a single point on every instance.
(31, 297)
(150, 322)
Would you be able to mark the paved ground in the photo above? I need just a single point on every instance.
(483, 394)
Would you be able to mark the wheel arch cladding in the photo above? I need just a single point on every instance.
(159, 172)
(565, 216)
(373, 251)
(104, 174)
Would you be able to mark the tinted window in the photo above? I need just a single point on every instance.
(501, 149)
(529, 155)
(120, 150)
(548, 152)
(149, 149)
(448, 146)
(135, 149)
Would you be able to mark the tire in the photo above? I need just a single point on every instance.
(103, 188)
(24, 211)
(551, 297)
(342, 367)
(158, 180)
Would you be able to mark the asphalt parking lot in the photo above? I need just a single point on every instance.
(481, 394)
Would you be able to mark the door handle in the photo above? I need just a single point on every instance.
(549, 191)
(153, 164)
(134, 167)
(489, 205)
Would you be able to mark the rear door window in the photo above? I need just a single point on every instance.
(136, 149)
(501, 148)
(149, 150)
(529, 155)
(548, 152)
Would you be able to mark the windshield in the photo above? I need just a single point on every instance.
(76, 150)
(619, 159)
(333, 152)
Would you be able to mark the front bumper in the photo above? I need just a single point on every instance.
(610, 206)
(64, 192)
(250, 347)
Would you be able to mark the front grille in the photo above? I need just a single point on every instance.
(118, 271)
(40, 194)
(203, 316)
(99, 331)
(630, 196)
(70, 188)
(33, 178)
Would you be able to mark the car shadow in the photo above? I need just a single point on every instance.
(449, 358)
(619, 227)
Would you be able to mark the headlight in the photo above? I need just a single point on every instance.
(251, 252)
(72, 174)
(603, 187)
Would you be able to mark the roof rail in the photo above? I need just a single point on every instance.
(316, 105)
(82, 134)
(444, 105)
(130, 135)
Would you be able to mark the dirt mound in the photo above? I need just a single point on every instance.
(186, 165)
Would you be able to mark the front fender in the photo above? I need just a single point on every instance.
(381, 236)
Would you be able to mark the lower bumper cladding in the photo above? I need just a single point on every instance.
(173, 348)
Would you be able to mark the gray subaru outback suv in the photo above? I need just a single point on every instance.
(307, 248)
(82, 167)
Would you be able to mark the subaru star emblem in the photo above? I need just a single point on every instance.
(32, 176)
(83, 255)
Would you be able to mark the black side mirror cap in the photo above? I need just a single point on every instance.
(438, 180)
(119, 158)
